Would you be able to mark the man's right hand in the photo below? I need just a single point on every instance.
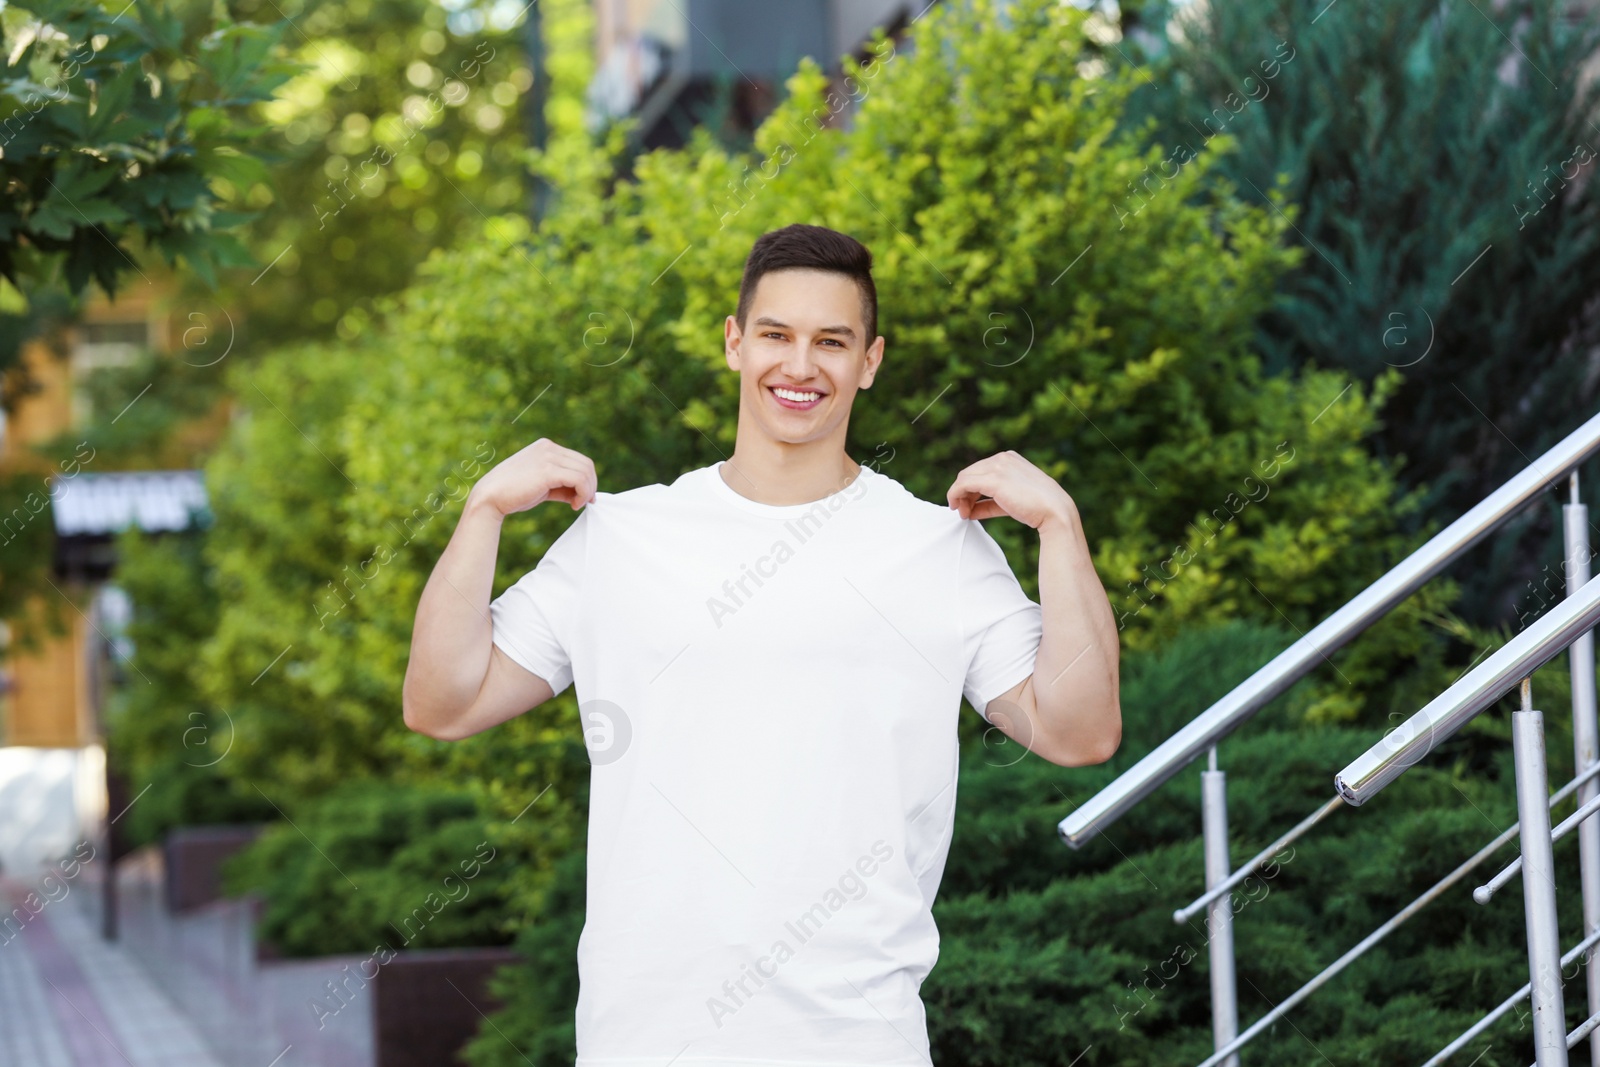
(541, 471)
(458, 681)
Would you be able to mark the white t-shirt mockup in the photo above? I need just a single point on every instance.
(770, 697)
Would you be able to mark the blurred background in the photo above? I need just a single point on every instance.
(1277, 290)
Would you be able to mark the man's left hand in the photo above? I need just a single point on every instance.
(1007, 484)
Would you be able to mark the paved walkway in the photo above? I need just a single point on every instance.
(70, 999)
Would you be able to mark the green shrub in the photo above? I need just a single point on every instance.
(1436, 153)
(375, 864)
(1046, 950)
(163, 736)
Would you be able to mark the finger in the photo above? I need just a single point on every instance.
(569, 481)
(963, 492)
(974, 506)
(966, 502)
(971, 483)
(592, 483)
(586, 482)
(967, 491)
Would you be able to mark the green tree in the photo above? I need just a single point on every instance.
(1440, 157)
(114, 130)
(404, 132)
(115, 127)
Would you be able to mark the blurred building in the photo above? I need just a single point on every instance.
(676, 64)
(52, 756)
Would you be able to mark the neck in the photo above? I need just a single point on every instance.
(786, 476)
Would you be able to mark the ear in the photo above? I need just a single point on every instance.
(869, 369)
(731, 338)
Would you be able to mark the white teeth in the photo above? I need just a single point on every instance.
(800, 398)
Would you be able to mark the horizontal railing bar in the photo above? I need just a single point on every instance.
(1584, 1029)
(1290, 665)
(1485, 892)
(1401, 916)
(1183, 915)
(1505, 1005)
(1478, 689)
(1367, 942)
(1572, 786)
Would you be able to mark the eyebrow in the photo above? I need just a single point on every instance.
(844, 330)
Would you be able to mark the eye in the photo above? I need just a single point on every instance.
(773, 333)
(833, 341)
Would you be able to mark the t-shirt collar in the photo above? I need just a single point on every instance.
(722, 490)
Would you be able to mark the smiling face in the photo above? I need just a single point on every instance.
(801, 357)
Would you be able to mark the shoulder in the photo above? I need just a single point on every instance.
(629, 506)
(637, 499)
(901, 504)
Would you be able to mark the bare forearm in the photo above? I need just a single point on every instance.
(450, 643)
(1075, 677)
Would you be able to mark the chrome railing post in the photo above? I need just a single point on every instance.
(1219, 914)
(1585, 742)
(1538, 884)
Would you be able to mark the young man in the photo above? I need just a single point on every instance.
(771, 653)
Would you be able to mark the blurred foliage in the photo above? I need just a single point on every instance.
(159, 411)
(161, 732)
(116, 129)
(405, 132)
(29, 604)
(178, 418)
(307, 715)
(282, 559)
(539, 997)
(376, 864)
(1442, 158)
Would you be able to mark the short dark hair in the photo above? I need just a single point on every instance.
(803, 247)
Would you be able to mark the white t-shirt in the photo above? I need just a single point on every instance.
(769, 696)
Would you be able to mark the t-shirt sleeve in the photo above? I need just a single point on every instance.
(1001, 627)
(534, 620)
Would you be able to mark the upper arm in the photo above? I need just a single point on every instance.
(508, 690)
(531, 631)
(1016, 714)
(1001, 628)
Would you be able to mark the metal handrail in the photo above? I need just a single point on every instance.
(1382, 763)
(1405, 746)
(1486, 683)
(1289, 666)
(1390, 926)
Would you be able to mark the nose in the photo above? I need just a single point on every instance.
(799, 365)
